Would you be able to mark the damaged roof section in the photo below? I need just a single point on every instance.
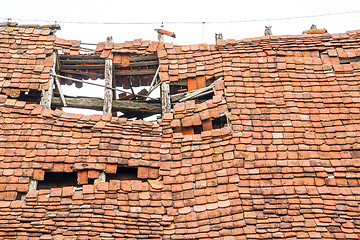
(270, 151)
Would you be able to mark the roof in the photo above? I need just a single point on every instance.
(26, 56)
(286, 165)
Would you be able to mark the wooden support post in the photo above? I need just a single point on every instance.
(108, 94)
(154, 80)
(101, 178)
(60, 91)
(33, 184)
(48, 94)
(165, 97)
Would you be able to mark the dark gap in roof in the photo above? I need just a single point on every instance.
(198, 129)
(123, 173)
(349, 60)
(19, 196)
(130, 73)
(206, 125)
(58, 180)
(219, 122)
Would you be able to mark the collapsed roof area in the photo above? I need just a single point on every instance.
(258, 139)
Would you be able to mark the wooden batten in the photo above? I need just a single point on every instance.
(125, 106)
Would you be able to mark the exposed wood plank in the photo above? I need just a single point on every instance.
(144, 58)
(82, 66)
(165, 97)
(33, 184)
(91, 61)
(139, 64)
(48, 93)
(108, 94)
(197, 95)
(60, 91)
(120, 106)
(85, 56)
(95, 84)
(192, 94)
(98, 75)
(154, 80)
(135, 73)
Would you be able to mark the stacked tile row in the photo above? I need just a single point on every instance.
(287, 167)
(187, 61)
(202, 172)
(36, 138)
(190, 114)
(137, 47)
(26, 56)
(114, 209)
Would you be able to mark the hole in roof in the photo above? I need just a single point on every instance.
(207, 125)
(196, 88)
(219, 122)
(20, 196)
(133, 77)
(58, 180)
(198, 129)
(123, 173)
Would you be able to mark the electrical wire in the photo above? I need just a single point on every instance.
(190, 22)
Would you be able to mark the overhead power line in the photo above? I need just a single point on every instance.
(185, 22)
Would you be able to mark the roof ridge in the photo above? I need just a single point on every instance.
(15, 24)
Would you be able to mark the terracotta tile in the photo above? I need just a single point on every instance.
(143, 172)
(153, 173)
(82, 177)
(38, 174)
(111, 168)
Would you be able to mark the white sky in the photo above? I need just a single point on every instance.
(179, 11)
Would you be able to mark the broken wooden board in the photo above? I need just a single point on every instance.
(119, 106)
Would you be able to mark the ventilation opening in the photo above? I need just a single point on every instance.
(58, 180)
(123, 173)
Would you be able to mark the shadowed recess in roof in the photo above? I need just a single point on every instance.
(58, 180)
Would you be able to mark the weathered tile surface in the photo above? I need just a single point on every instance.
(287, 167)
